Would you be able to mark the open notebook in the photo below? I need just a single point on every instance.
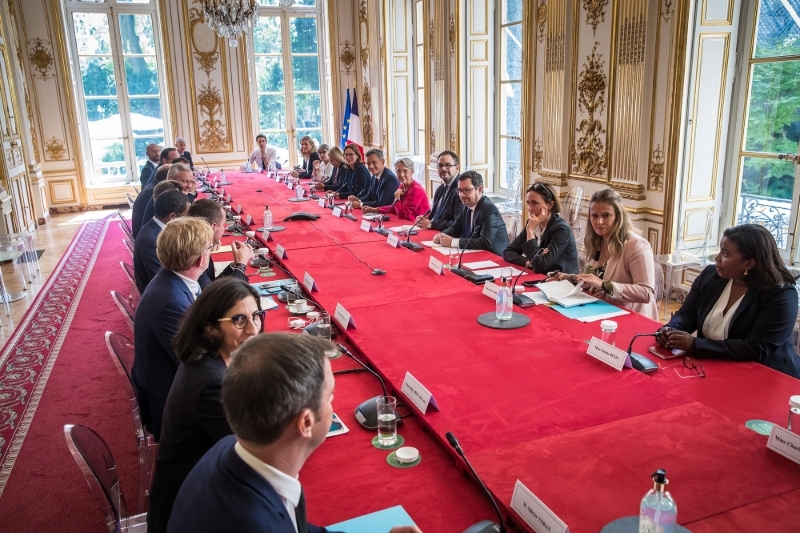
(565, 293)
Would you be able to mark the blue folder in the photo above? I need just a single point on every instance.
(599, 307)
(377, 522)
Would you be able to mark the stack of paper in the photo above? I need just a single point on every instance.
(377, 522)
(495, 272)
(565, 293)
(445, 250)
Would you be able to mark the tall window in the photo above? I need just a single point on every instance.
(769, 181)
(119, 77)
(509, 93)
(286, 50)
(419, 74)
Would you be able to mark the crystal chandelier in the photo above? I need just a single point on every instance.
(230, 17)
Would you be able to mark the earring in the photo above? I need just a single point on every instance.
(745, 272)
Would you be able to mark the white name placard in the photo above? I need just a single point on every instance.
(785, 443)
(309, 283)
(610, 355)
(280, 251)
(249, 220)
(490, 289)
(337, 211)
(289, 185)
(343, 317)
(535, 513)
(277, 178)
(418, 394)
(366, 226)
(230, 198)
(321, 202)
(266, 237)
(392, 240)
(239, 209)
(436, 265)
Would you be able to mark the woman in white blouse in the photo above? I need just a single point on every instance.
(743, 307)
(323, 167)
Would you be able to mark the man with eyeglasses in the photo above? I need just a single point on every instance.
(184, 250)
(479, 225)
(214, 214)
(446, 204)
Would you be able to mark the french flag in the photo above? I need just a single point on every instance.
(354, 135)
(345, 121)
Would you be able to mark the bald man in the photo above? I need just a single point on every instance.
(153, 152)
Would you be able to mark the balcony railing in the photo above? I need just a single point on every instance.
(772, 213)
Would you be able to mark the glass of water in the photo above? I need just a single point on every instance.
(453, 258)
(324, 325)
(387, 420)
(298, 191)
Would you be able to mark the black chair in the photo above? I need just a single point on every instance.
(97, 464)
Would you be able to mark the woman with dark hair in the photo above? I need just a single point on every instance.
(546, 241)
(354, 178)
(743, 307)
(225, 315)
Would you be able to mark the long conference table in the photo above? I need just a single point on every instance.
(526, 404)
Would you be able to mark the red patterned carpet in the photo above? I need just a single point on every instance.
(56, 370)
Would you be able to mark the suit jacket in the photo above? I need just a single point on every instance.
(155, 324)
(149, 212)
(208, 277)
(634, 278)
(145, 259)
(148, 170)
(760, 329)
(446, 205)
(382, 191)
(557, 237)
(353, 181)
(188, 155)
(194, 420)
(222, 493)
(137, 211)
(492, 235)
(307, 165)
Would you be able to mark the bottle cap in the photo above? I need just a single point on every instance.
(659, 480)
(794, 401)
(608, 324)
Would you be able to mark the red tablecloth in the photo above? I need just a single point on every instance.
(529, 404)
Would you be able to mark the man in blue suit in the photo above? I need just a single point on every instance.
(384, 183)
(183, 247)
(182, 175)
(150, 166)
(140, 204)
(278, 394)
(169, 205)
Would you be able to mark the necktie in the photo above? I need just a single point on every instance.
(300, 514)
(442, 199)
(263, 161)
(468, 223)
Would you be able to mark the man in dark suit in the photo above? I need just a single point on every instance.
(479, 225)
(180, 147)
(214, 214)
(446, 204)
(183, 247)
(384, 183)
(248, 482)
(140, 204)
(150, 165)
(167, 155)
(181, 174)
(169, 205)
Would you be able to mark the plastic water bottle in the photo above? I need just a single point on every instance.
(248, 167)
(222, 177)
(504, 302)
(658, 512)
(267, 218)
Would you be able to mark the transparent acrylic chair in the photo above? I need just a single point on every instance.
(124, 307)
(135, 294)
(96, 462)
(12, 248)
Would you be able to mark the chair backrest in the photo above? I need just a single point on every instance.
(125, 308)
(135, 294)
(125, 220)
(129, 246)
(121, 351)
(572, 205)
(96, 462)
(130, 198)
(512, 224)
(126, 230)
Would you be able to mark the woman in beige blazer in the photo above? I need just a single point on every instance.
(620, 268)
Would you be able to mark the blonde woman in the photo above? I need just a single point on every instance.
(308, 151)
(620, 266)
(337, 174)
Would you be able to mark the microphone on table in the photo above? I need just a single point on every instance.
(458, 271)
(520, 299)
(484, 526)
(379, 219)
(638, 361)
(413, 246)
(367, 411)
(206, 164)
(287, 289)
(348, 211)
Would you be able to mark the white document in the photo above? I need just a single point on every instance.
(445, 250)
(480, 264)
(223, 249)
(495, 272)
(220, 266)
(538, 297)
(401, 229)
(785, 443)
(268, 303)
(535, 513)
(565, 293)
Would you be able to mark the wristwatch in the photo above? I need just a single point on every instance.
(241, 267)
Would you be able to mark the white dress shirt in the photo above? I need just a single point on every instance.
(716, 324)
(270, 153)
(287, 487)
(457, 242)
(193, 286)
(160, 224)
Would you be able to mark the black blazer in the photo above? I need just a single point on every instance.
(381, 193)
(222, 493)
(188, 155)
(156, 322)
(446, 206)
(208, 277)
(148, 170)
(354, 181)
(194, 420)
(139, 205)
(307, 165)
(761, 328)
(557, 237)
(492, 234)
(145, 259)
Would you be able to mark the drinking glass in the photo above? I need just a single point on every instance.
(387, 420)
(324, 325)
(298, 191)
(291, 294)
(453, 258)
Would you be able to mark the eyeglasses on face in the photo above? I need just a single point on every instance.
(541, 188)
(466, 191)
(240, 321)
(446, 166)
(213, 247)
(349, 154)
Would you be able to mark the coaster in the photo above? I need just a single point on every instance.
(630, 524)
(762, 427)
(336, 355)
(398, 443)
(273, 229)
(392, 460)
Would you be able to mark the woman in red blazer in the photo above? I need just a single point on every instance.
(410, 200)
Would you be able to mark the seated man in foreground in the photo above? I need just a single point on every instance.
(248, 482)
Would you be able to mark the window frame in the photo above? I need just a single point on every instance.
(499, 83)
